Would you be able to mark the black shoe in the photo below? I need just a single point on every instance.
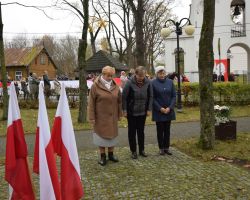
(162, 153)
(113, 158)
(103, 160)
(134, 155)
(167, 152)
(143, 154)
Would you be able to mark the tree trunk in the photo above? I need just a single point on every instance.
(82, 116)
(206, 64)
(3, 71)
(92, 40)
(140, 44)
(139, 34)
(130, 54)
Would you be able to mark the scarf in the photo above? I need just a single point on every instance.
(107, 84)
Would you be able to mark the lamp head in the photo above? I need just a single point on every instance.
(165, 32)
(189, 29)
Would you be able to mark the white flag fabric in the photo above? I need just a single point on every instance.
(44, 155)
(63, 138)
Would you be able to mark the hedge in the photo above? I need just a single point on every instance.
(224, 93)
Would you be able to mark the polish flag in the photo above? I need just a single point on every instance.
(17, 172)
(65, 146)
(44, 157)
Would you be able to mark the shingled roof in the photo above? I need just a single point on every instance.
(21, 57)
(102, 59)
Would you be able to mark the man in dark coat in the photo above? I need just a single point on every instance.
(46, 82)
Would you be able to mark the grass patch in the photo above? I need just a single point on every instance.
(239, 149)
(29, 118)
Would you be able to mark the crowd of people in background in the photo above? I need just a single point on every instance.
(29, 86)
(221, 78)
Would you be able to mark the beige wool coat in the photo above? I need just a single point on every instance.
(105, 107)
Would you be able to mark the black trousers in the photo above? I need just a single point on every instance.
(163, 134)
(136, 126)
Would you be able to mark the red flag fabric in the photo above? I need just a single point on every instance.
(16, 166)
(65, 146)
(44, 157)
(117, 81)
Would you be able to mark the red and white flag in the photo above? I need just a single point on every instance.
(44, 155)
(65, 146)
(17, 172)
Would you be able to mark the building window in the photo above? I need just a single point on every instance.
(18, 75)
(43, 59)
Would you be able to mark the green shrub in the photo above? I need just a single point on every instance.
(224, 93)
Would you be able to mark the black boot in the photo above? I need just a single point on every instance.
(143, 154)
(103, 160)
(112, 157)
(167, 152)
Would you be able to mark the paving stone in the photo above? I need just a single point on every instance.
(156, 177)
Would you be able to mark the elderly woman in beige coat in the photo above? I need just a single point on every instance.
(104, 111)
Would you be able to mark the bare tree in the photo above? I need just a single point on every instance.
(119, 17)
(138, 9)
(95, 25)
(156, 15)
(126, 51)
(18, 42)
(206, 63)
(81, 9)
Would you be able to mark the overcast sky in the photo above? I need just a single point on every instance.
(18, 20)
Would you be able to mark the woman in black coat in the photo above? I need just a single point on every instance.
(164, 98)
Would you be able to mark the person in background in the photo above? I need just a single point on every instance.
(163, 108)
(231, 77)
(104, 112)
(131, 73)
(57, 88)
(47, 85)
(16, 88)
(221, 78)
(34, 86)
(137, 99)
(184, 78)
(24, 88)
(215, 77)
(123, 79)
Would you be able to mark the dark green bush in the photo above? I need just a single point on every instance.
(224, 93)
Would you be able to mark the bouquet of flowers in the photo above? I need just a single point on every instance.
(222, 114)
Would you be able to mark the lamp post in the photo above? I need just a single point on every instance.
(165, 32)
(229, 55)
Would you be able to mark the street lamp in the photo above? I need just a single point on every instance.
(229, 56)
(165, 32)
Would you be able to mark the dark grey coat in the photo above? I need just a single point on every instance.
(136, 101)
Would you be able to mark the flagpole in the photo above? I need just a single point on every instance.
(219, 60)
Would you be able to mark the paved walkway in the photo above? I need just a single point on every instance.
(178, 130)
(155, 177)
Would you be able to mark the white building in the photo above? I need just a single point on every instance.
(232, 26)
